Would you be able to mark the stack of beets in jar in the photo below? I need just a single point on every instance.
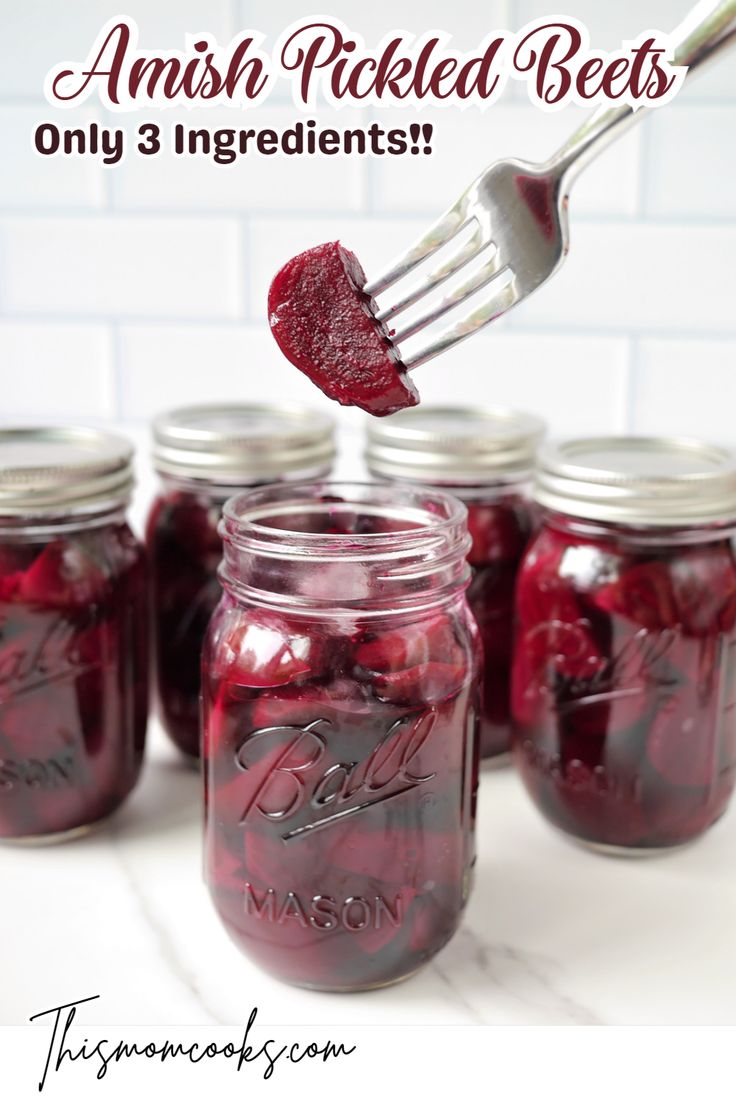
(340, 732)
(73, 632)
(624, 682)
(485, 457)
(204, 454)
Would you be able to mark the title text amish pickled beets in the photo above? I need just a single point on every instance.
(552, 57)
(323, 58)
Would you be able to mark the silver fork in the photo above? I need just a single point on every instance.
(516, 213)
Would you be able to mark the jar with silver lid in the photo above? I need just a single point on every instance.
(484, 456)
(204, 454)
(73, 632)
(624, 680)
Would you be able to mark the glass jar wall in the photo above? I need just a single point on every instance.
(73, 632)
(203, 454)
(484, 456)
(624, 688)
(339, 690)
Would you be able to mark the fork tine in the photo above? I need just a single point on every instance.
(439, 234)
(454, 261)
(479, 279)
(494, 306)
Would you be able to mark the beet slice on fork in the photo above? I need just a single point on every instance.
(325, 324)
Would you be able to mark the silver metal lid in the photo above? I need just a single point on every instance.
(242, 443)
(46, 469)
(454, 444)
(639, 481)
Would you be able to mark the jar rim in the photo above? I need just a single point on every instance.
(240, 513)
(419, 564)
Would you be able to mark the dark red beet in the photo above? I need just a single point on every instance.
(62, 576)
(73, 678)
(682, 744)
(325, 324)
(623, 695)
(500, 528)
(382, 734)
(185, 551)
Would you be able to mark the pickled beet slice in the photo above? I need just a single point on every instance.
(644, 594)
(263, 652)
(14, 559)
(10, 585)
(498, 531)
(542, 593)
(693, 591)
(193, 525)
(185, 550)
(298, 705)
(409, 646)
(325, 324)
(62, 576)
(682, 741)
(704, 585)
(421, 662)
(587, 805)
(491, 598)
(431, 683)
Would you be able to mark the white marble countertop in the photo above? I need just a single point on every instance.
(553, 934)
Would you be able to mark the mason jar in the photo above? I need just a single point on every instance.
(203, 454)
(624, 689)
(339, 712)
(73, 632)
(484, 456)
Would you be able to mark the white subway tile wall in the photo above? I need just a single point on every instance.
(131, 287)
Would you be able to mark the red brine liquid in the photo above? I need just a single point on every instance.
(500, 530)
(484, 455)
(325, 324)
(624, 695)
(185, 551)
(203, 454)
(73, 676)
(340, 763)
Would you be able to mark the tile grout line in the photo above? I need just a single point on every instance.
(708, 335)
(643, 161)
(118, 390)
(235, 17)
(164, 214)
(631, 377)
(246, 275)
(368, 182)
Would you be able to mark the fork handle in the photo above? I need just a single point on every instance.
(706, 31)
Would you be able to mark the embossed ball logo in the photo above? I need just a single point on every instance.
(286, 773)
(563, 656)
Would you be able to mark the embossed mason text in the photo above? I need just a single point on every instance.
(324, 912)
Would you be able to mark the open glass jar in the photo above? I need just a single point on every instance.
(624, 682)
(485, 456)
(204, 454)
(73, 632)
(339, 710)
